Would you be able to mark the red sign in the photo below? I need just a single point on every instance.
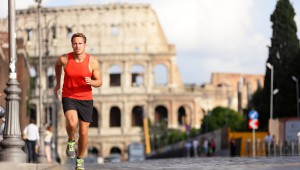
(253, 124)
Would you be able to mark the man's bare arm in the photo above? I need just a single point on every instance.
(60, 62)
(96, 80)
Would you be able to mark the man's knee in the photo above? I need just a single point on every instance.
(83, 133)
(72, 125)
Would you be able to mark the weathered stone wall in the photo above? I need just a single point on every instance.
(249, 83)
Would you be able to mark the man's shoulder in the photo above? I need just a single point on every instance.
(92, 58)
(63, 58)
(64, 55)
(93, 61)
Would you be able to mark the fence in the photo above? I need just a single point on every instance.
(291, 148)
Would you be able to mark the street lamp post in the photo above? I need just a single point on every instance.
(270, 66)
(297, 91)
(12, 144)
(41, 153)
(272, 93)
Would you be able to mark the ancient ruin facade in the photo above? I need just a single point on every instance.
(138, 67)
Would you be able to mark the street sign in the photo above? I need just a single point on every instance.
(253, 124)
(253, 119)
(253, 114)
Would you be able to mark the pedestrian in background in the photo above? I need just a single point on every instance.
(188, 147)
(232, 147)
(206, 147)
(48, 139)
(212, 147)
(2, 125)
(195, 147)
(31, 134)
(81, 74)
(268, 143)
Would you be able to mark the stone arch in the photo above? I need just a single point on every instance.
(188, 114)
(160, 74)
(137, 116)
(161, 114)
(137, 75)
(93, 151)
(49, 114)
(115, 149)
(115, 117)
(33, 112)
(95, 119)
(69, 30)
(181, 116)
(115, 73)
(33, 77)
(50, 77)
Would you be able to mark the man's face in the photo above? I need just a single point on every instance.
(78, 45)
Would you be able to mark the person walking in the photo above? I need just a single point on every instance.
(48, 139)
(2, 126)
(268, 142)
(195, 147)
(232, 147)
(81, 74)
(31, 132)
(206, 147)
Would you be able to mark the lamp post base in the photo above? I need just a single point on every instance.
(12, 150)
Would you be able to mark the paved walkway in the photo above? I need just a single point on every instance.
(223, 163)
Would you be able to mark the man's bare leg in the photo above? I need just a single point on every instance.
(83, 138)
(72, 121)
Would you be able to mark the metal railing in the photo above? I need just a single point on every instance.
(287, 148)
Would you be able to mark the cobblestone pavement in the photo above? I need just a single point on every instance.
(212, 163)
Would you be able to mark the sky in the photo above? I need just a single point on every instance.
(229, 36)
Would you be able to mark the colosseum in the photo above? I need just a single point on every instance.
(140, 76)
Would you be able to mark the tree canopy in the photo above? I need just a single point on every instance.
(220, 117)
(284, 57)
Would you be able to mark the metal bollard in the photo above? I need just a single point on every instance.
(280, 148)
(293, 149)
(269, 148)
(248, 147)
(298, 143)
(274, 148)
(258, 147)
(263, 149)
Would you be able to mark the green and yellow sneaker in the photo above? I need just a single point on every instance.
(79, 164)
(71, 149)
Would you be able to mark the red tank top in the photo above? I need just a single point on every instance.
(74, 85)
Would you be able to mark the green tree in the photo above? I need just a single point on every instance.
(220, 117)
(283, 53)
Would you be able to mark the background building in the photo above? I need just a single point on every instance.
(139, 71)
(23, 78)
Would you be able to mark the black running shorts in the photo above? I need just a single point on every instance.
(84, 108)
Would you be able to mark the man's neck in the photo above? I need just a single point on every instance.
(79, 57)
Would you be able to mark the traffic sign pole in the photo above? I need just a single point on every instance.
(253, 142)
(253, 124)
